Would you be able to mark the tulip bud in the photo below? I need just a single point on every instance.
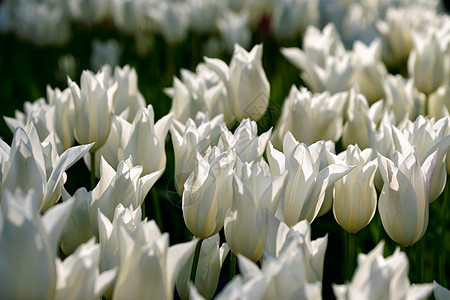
(355, 197)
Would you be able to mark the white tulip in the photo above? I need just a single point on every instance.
(377, 277)
(125, 186)
(146, 140)
(189, 138)
(28, 245)
(355, 197)
(248, 89)
(255, 194)
(207, 192)
(307, 183)
(28, 164)
(311, 117)
(245, 140)
(79, 276)
(93, 104)
(211, 259)
(149, 267)
(404, 200)
(234, 29)
(426, 63)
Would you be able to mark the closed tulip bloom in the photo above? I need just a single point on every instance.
(234, 29)
(172, 20)
(128, 99)
(255, 194)
(355, 196)
(247, 86)
(208, 193)
(77, 230)
(404, 199)
(79, 276)
(93, 102)
(211, 259)
(28, 244)
(426, 64)
(146, 140)
(358, 125)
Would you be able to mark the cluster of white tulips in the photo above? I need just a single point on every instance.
(355, 140)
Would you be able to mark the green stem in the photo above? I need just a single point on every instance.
(412, 269)
(351, 254)
(442, 252)
(93, 181)
(157, 209)
(232, 265)
(195, 261)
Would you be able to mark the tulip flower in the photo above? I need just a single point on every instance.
(290, 17)
(79, 276)
(211, 259)
(311, 117)
(246, 83)
(146, 142)
(171, 19)
(307, 183)
(128, 218)
(149, 267)
(255, 194)
(29, 164)
(64, 115)
(128, 97)
(40, 113)
(358, 125)
(282, 239)
(396, 33)
(440, 292)
(203, 15)
(87, 11)
(282, 277)
(28, 245)
(355, 197)
(370, 70)
(427, 137)
(124, 186)
(189, 138)
(207, 193)
(234, 29)
(403, 98)
(377, 277)
(404, 200)
(439, 102)
(245, 140)
(426, 63)
(93, 104)
(77, 230)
